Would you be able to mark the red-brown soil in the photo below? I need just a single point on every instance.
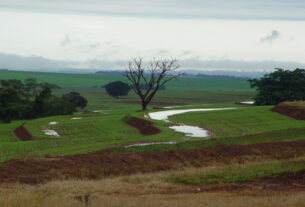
(154, 103)
(22, 133)
(104, 163)
(291, 111)
(145, 127)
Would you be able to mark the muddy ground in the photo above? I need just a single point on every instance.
(145, 127)
(22, 133)
(291, 111)
(103, 164)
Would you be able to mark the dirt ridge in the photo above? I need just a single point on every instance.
(104, 163)
(22, 133)
(291, 111)
(145, 127)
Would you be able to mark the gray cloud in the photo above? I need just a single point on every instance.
(38, 63)
(239, 65)
(271, 37)
(16, 62)
(234, 9)
(77, 43)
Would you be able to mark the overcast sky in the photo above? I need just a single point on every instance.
(202, 34)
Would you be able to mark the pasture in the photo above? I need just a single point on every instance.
(251, 152)
(103, 125)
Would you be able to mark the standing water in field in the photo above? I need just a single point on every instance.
(248, 102)
(51, 132)
(191, 131)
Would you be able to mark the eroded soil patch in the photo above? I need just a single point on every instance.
(145, 127)
(104, 163)
(22, 133)
(291, 111)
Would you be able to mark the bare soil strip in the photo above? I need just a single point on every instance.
(22, 133)
(104, 163)
(145, 127)
(291, 111)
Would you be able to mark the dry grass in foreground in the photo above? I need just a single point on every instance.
(96, 194)
(151, 190)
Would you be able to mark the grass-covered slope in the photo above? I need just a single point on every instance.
(108, 129)
(89, 133)
(240, 121)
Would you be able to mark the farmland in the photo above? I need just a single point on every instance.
(65, 80)
(250, 156)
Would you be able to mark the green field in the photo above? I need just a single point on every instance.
(103, 121)
(249, 147)
(93, 80)
(107, 128)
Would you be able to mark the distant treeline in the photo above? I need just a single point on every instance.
(110, 72)
(29, 99)
(219, 76)
(186, 74)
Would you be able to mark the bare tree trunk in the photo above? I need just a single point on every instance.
(157, 74)
(144, 106)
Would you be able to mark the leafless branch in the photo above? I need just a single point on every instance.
(155, 76)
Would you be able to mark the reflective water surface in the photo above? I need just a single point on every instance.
(192, 131)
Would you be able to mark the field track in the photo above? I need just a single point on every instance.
(105, 163)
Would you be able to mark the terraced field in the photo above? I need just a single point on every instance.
(254, 156)
(103, 129)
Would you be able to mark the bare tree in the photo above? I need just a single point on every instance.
(154, 77)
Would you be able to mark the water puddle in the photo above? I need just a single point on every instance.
(53, 123)
(170, 107)
(247, 102)
(163, 115)
(51, 132)
(75, 118)
(191, 131)
(148, 143)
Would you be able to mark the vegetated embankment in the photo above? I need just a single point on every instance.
(290, 109)
(105, 163)
(22, 133)
(145, 127)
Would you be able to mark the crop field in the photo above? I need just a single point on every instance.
(253, 155)
(97, 80)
